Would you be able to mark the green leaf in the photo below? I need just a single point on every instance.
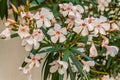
(3, 9)
(72, 75)
(66, 55)
(14, 35)
(79, 67)
(51, 50)
(15, 3)
(79, 53)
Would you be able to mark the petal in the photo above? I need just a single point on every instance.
(106, 26)
(102, 31)
(47, 23)
(51, 32)
(84, 31)
(36, 16)
(50, 16)
(28, 47)
(64, 31)
(113, 50)
(77, 29)
(95, 31)
(65, 65)
(39, 23)
(54, 39)
(62, 38)
(28, 60)
(61, 71)
(86, 68)
(93, 51)
(103, 19)
(36, 44)
(57, 27)
(37, 64)
(31, 65)
(91, 63)
(53, 69)
(115, 26)
(90, 27)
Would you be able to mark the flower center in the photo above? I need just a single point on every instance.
(42, 17)
(33, 59)
(90, 20)
(39, 32)
(68, 8)
(83, 24)
(23, 30)
(58, 32)
(99, 26)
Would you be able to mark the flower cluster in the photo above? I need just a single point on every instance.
(70, 45)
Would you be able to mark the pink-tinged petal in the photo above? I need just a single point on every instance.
(23, 42)
(106, 26)
(6, 34)
(91, 63)
(29, 40)
(65, 65)
(53, 69)
(65, 13)
(57, 27)
(71, 14)
(28, 60)
(103, 19)
(96, 31)
(23, 14)
(47, 23)
(112, 50)
(61, 71)
(77, 29)
(28, 47)
(115, 26)
(93, 51)
(50, 16)
(80, 8)
(51, 32)
(39, 23)
(84, 31)
(36, 44)
(53, 63)
(36, 16)
(38, 56)
(54, 39)
(37, 63)
(32, 64)
(90, 27)
(62, 38)
(86, 68)
(102, 31)
(105, 41)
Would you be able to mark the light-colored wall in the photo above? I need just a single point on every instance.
(12, 55)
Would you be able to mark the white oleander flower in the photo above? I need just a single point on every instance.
(102, 4)
(101, 26)
(38, 34)
(61, 66)
(70, 9)
(6, 34)
(57, 33)
(44, 17)
(23, 31)
(81, 28)
(34, 60)
(65, 8)
(87, 65)
(93, 51)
